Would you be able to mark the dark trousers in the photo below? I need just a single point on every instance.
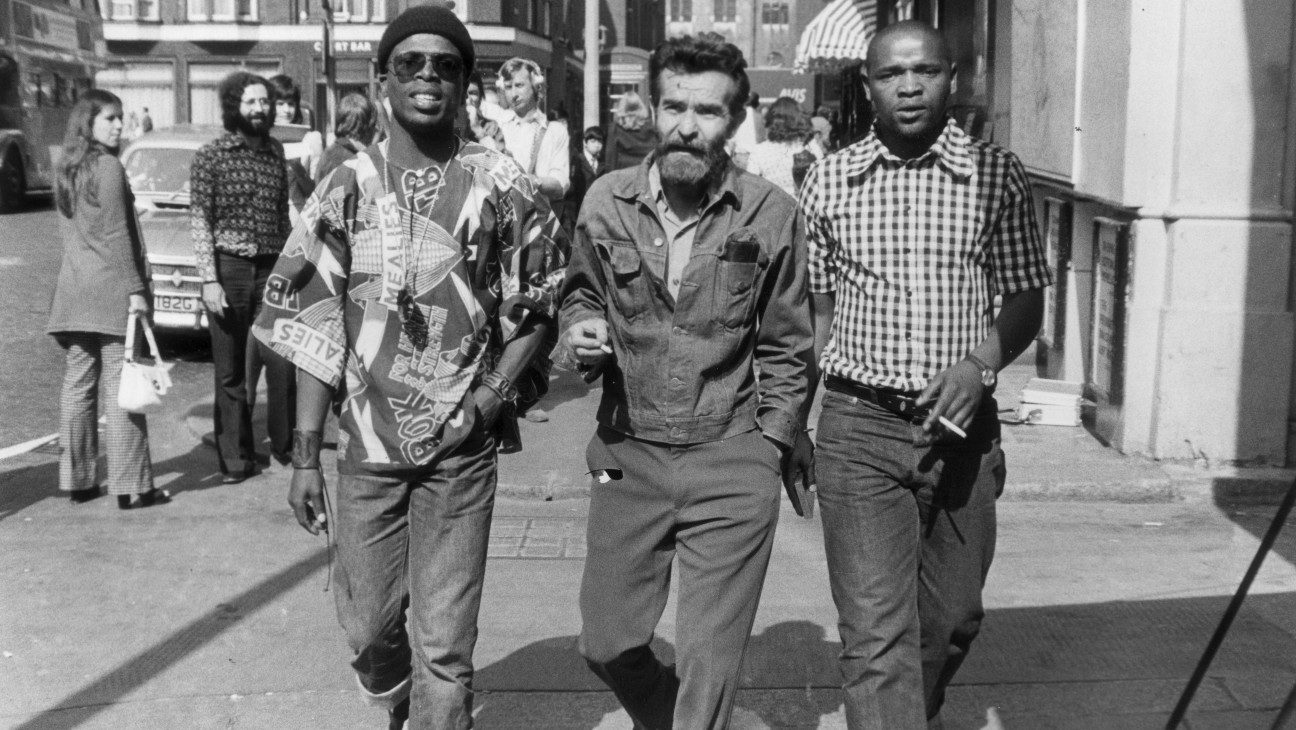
(411, 559)
(714, 506)
(909, 533)
(244, 283)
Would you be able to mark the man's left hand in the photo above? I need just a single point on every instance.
(489, 405)
(955, 393)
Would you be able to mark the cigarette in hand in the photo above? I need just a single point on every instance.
(949, 425)
(606, 348)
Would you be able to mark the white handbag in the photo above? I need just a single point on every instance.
(142, 386)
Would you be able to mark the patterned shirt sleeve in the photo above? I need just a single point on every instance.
(302, 315)
(820, 244)
(201, 201)
(532, 261)
(1015, 246)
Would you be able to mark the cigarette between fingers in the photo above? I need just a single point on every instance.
(606, 348)
(948, 424)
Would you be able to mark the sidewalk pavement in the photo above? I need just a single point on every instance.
(216, 611)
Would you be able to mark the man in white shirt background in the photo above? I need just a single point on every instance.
(539, 146)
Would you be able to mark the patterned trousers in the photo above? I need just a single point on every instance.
(93, 363)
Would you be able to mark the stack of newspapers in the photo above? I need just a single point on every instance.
(1051, 403)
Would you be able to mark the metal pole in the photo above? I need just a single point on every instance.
(592, 54)
(1266, 544)
(330, 75)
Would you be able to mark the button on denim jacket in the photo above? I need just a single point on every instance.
(735, 351)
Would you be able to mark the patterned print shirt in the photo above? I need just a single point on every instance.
(238, 201)
(403, 324)
(916, 251)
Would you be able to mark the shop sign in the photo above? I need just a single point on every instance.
(348, 48)
(1111, 272)
(43, 26)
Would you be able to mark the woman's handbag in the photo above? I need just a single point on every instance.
(142, 386)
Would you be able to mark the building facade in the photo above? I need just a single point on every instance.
(169, 55)
(766, 31)
(1162, 140)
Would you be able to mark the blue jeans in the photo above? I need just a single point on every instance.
(909, 533)
(417, 542)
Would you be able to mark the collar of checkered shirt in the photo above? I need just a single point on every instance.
(951, 151)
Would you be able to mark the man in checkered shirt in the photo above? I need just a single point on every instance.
(912, 233)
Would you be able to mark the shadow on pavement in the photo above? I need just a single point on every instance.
(26, 485)
(131, 674)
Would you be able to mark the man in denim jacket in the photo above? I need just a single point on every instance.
(687, 290)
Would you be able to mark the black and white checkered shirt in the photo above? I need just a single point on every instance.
(916, 250)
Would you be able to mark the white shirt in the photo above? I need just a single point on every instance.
(550, 159)
(773, 161)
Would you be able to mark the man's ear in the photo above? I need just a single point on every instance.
(864, 75)
(953, 79)
(736, 122)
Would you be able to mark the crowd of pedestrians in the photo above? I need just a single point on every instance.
(710, 258)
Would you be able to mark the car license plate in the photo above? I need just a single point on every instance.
(167, 303)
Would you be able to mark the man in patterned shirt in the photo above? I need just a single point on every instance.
(912, 233)
(416, 288)
(238, 223)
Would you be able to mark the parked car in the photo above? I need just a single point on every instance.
(157, 165)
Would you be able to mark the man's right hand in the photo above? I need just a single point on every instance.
(587, 339)
(306, 497)
(213, 296)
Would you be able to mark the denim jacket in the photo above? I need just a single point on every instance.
(735, 351)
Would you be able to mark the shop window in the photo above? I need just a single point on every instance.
(726, 11)
(681, 11)
(222, 10)
(132, 10)
(774, 13)
(358, 11)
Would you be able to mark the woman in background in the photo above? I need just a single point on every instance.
(102, 279)
(784, 153)
(633, 135)
(357, 123)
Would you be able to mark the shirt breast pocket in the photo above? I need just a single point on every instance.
(739, 267)
(629, 287)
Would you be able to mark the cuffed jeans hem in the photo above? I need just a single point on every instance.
(389, 699)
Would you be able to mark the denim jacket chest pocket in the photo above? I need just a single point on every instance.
(630, 291)
(740, 265)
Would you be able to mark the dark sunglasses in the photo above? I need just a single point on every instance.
(409, 64)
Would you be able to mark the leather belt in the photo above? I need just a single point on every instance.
(900, 402)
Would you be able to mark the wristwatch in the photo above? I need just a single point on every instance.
(503, 387)
(988, 375)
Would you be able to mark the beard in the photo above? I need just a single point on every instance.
(691, 164)
(257, 125)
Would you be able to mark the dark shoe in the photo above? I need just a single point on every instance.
(398, 715)
(237, 477)
(81, 496)
(509, 446)
(147, 499)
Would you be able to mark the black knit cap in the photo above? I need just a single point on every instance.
(435, 19)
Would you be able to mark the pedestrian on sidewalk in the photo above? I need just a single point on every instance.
(102, 280)
(912, 232)
(414, 292)
(540, 147)
(238, 222)
(357, 125)
(691, 274)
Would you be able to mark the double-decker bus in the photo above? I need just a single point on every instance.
(49, 52)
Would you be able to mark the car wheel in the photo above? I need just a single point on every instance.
(12, 184)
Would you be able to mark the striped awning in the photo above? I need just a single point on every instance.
(839, 36)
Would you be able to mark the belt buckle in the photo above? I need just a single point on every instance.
(909, 408)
